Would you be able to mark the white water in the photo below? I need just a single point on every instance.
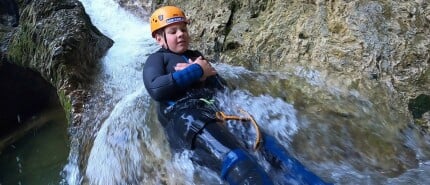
(128, 148)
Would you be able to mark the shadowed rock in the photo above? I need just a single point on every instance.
(57, 41)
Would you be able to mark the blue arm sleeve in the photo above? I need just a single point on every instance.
(188, 75)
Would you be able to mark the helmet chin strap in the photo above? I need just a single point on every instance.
(165, 40)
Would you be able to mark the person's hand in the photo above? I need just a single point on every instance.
(181, 66)
(208, 70)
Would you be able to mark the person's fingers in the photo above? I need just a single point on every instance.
(207, 68)
(181, 66)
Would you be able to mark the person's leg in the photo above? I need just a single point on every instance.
(294, 171)
(235, 165)
(217, 148)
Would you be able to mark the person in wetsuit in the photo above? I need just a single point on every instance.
(183, 84)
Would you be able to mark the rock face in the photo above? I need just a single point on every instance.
(52, 52)
(57, 40)
(353, 44)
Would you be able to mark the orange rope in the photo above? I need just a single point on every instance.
(223, 117)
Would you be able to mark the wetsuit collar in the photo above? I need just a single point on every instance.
(165, 50)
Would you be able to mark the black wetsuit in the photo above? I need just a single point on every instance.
(159, 80)
(190, 122)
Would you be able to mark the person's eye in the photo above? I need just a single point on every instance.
(171, 32)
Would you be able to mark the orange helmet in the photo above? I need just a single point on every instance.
(165, 16)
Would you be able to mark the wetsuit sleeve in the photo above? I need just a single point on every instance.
(188, 75)
(158, 82)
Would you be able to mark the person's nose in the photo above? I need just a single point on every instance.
(181, 33)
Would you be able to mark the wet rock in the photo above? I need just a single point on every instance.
(419, 105)
(58, 40)
(420, 110)
(53, 53)
(139, 8)
(385, 40)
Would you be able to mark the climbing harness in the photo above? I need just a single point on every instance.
(221, 116)
(209, 102)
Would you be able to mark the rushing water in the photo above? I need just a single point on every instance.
(122, 143)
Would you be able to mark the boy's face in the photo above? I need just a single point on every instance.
(177, 37)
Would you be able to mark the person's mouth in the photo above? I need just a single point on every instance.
(182, 43)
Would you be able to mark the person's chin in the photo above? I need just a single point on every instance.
(181, 49)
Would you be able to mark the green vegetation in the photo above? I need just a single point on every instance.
(66, 103)
(22, 45)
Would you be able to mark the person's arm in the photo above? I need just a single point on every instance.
(187, 74)
(193, 71)
(158, 82)
(215, 81)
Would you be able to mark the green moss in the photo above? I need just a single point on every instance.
(22, 46)
(422, 123)
(355, 84)
(66, 104)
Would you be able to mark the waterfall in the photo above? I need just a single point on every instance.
(123, 143)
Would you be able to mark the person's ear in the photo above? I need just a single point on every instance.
(159, 39)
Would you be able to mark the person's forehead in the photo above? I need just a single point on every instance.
(176, 25)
